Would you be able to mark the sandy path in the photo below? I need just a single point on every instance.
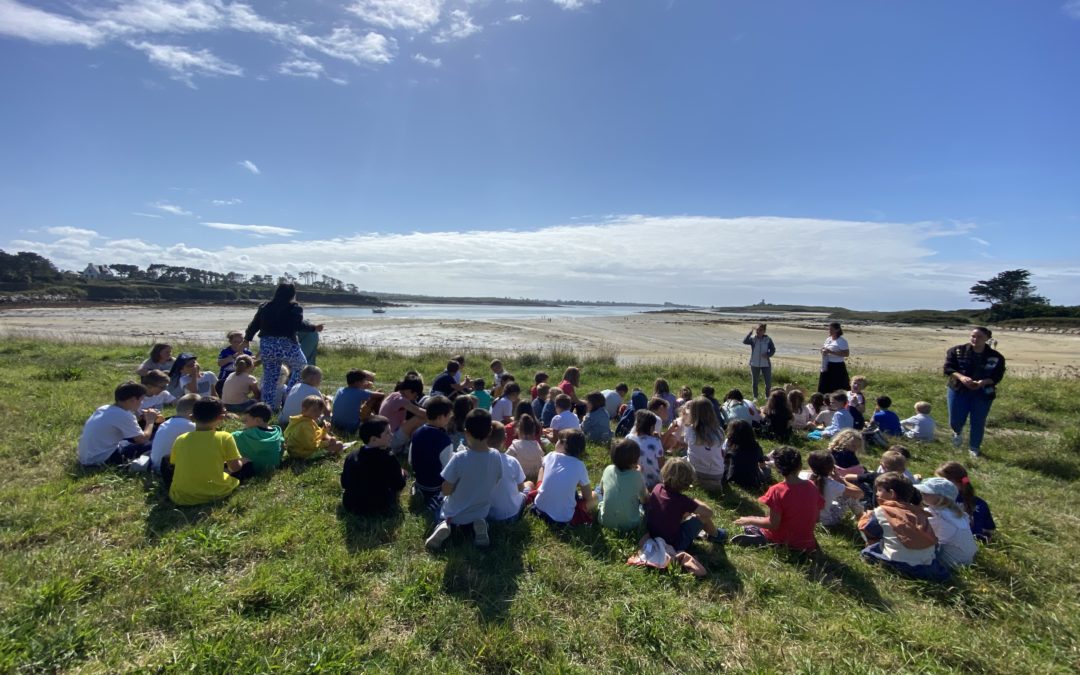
(650, 338)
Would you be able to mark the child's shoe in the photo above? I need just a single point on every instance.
(480, 528)
(957, 440)
(441, 534)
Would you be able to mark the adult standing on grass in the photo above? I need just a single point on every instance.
(761, 351)
(277, 322)
(834, 375)
(974, 370)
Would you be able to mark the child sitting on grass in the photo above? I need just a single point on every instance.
(157, 394)
(349, 400)
(112, 434)
(174, 427)
(675, 517)
(622, 488)
(704, 440)
(736, 408)
(371, 479)
(508, 497)
(777, 419)
(794, 507)
(956, 544)
(430, 450)
(259, 442)
(898, 533)
(564, 416)
(977, 510)
(802, 414)
(539, 401)
(194, 380)
(845, 448)
(502, 409)
(226, 361)
(405, 415)
(884, 419)
(161, 358)
(651, 459)
(563, 494)
(597, 423)
(310, 379)
(241, 390)
(921, 426)
(482, 396)
(891, 460)
(838, 495)
(469, 478)
(197, 458)
(306, 435)
(857, 395)
(841, 418)
(746, 460)
(526, 447)
(662, 390)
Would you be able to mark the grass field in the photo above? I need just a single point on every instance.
(99, 572)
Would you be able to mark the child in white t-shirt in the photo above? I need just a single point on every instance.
(840, 497)
(564, 416)
(310, 379)
(956, 544)
(921, 426)
(652, 452)
(194, 380)
(112, 434)
(171, 429)
(157, 394)
(564, 494)
(509, 494)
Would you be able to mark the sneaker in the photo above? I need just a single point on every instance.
(480, 528)
(748, 540)
(720, 537)
(957, 440)
(975, 454)
(441, 534)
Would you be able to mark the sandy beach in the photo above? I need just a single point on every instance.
(646, 337)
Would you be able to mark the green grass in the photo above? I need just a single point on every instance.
(99, 572)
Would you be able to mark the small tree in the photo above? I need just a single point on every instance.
(1007, 288)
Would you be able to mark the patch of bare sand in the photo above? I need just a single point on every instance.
(636, 338)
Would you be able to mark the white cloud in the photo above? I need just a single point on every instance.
(254, 229)
(460, 26)
(517, 18)
(145, 215)
(981, 242)
(1072, 8)
(574, 4)
(226, 202)
(412, 15)
(342, 43)
(184, 64)
(301, 66)
(250, 166)
(30, 23)
(433, 62)
(171, 208)
(73, 232)
(711, 261)
(159, 16)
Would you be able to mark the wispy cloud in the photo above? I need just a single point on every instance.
(1071, 8)
(254, 229)
(31, 23)
(574, 4)
(459, 27)
(226, 202)
(981, 242)
(301, 66)
(250, 166)
(517, 18)
(73, 232)
(433, 62)
(185, 64)
(412, 15)
(171, 208)
(145, 215)
(605, 256)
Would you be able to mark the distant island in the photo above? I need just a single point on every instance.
(29, 279)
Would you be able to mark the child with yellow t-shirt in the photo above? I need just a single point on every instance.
(200, 457)
(305, 435)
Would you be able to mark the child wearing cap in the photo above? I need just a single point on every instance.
(956, 544)
(898, 533)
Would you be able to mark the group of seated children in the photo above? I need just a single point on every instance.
(473, 465)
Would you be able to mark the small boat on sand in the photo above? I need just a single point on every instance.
(378, 310)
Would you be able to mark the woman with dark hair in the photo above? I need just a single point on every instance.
(974, 370)
(834, 375)
(277, 322)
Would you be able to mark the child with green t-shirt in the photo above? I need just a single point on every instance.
(260, 442)
(622, 488)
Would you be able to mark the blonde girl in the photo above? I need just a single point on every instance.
(845, 448)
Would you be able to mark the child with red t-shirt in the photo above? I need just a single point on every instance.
(793, 504)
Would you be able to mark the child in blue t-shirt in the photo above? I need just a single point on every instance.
(886, 420)
(430, 450)
(345, 413)
(597, 423)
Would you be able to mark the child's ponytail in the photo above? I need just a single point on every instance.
(821, 464)
(955, 472)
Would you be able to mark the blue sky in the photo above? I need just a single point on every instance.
(877, 155)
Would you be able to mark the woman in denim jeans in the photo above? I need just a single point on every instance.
(974, 370)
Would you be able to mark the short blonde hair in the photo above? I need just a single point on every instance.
(230, 334)
(922, 407)
(244, 363)
(678, 475)
(847, 439)
(891, 460)
(861, 379)
(312, 402)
